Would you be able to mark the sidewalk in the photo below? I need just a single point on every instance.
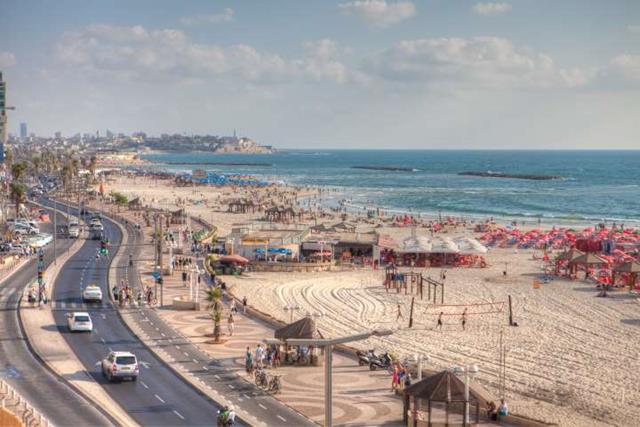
(360, 396)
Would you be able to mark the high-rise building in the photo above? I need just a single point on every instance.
(23, 131)
(3, 116)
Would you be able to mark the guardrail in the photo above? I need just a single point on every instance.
(13, 402)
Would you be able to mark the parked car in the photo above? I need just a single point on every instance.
(120, 364)
(92, 293)
(80, 322)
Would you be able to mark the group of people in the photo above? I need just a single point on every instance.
(181, 263)
(124, 294)
(264, 357)
(400, 378)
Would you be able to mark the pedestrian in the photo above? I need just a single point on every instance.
(399, 316)
(259, 356)
(394, 379)
(248, 361)
(184, 278)
(234, 309)
(244, 305)
(230, 323)
(463, 319)
(439, 325)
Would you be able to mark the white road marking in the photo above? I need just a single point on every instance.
(262, 406)
(178, 414)
(195, 361)
(231, 386)
(185, 353)
(144, 385)
(282, 418)
(216, 377)
(162, 334)
(247, 396)
(159, 398)
(102, 339)
(178, 347)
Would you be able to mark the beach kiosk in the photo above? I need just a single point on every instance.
(439, 400)
(299, 355)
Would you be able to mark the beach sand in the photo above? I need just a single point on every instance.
(573, 359)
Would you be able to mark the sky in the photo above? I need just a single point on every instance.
(375, 74)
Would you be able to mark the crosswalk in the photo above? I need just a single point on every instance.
(64, 305)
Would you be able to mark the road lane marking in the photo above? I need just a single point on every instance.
(185, 353)
(282, 418)
(205, 368)
(144, 385)
(178, 414)
(247, 396)
(195, 361)
(262, 406)
(159, 398)
(216, 376)
(231, 386)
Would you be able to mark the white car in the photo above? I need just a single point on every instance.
(74, 231)
(120, 364)
(92, 293)
(80, 322)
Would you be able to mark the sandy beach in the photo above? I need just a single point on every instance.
(573, 359)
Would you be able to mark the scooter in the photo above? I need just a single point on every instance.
(365, 358)
(382, 362)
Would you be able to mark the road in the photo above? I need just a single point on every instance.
(45, 391)
(160, 397)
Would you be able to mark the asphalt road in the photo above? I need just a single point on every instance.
(209, 371)
(45, 391)
(159, 397)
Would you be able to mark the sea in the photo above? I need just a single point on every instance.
(594, 186)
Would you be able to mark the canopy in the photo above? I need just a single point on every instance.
(628, 267)
(444, 245)
(570, 255)
(303, 328)
(443, 387)
(420, 244)
(237, 259)
(469, 245)
(590, 259)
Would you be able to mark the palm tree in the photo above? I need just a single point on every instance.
(18, 192)
(214, 295)
(92, 165)
(17, 170)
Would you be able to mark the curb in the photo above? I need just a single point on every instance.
(121, 419)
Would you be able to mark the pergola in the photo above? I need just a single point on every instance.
(632, 268)
(440, 400)
(568, 256)
(587, 260)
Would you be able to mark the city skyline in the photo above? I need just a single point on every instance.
(343, 74)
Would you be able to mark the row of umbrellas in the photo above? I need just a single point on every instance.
(441, 245)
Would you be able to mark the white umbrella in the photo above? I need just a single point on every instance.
(469, 245)
(420, 244)
(444, 245)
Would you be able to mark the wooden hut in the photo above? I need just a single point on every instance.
(632, 268)
(304, 328)
(440, 400)
(242, 206)
(282, 214)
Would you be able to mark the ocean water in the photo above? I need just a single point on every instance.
(595, 185)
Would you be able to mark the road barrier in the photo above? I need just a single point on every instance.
(16, 411)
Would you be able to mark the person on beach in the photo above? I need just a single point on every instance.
(394, 379)
(230, 324)
(439, 325)
(244, 305)
(399, 316)
(463, 319)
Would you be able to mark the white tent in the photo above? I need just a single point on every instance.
(444, 245)
(469, 245)
(419, 244)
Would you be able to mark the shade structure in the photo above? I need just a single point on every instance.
(469, 245)
(589, 259)
(444, 245)
(628, 267)
(570, 255)
(419, 244)
(444, 386)
(303, 328)
(235, 259)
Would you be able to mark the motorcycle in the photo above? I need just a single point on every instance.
(365, 358)
(382, 362)
(224, 418)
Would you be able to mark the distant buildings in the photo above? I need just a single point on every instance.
(23, 131)
(3, 116)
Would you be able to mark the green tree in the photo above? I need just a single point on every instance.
(18, 193)
(214, 295)
(119, 198)
(18, 170)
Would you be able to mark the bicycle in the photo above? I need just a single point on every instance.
(275, 385)
(261, 379)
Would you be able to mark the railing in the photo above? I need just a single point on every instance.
(12, 401)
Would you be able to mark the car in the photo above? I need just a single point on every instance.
(92, 293)
(96, 225)
(74, 231)
(79, 322)
(119, 365)
(21, 228)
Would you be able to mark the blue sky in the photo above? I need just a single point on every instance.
(334, 74)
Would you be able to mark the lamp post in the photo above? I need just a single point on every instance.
(328, 345)
(467, 371)
(291, 309)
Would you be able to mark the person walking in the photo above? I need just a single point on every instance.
(399, 316)
(244, 305)
(463, 319)
(184, 279)
(248, 360)
(233, 307)
(230, 324)
(259, 356)
(439, 325)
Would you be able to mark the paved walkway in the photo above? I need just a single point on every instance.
(360, 396)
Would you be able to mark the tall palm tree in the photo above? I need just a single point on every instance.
(18, 170)
(18, 193)
(214, 295)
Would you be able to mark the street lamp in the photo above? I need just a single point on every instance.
(328, 345)
(467, 371)
(291, 309)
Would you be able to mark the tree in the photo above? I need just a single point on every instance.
(92, 165)
(18, 170)
(18, 193)
(214, 295)
(119, 198)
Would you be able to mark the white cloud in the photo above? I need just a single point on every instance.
(491, 8)
(634, 29)
(216, 18)
(379, 13)
(7, 59)
(625, 67)
(478, 63)
(138, 54)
